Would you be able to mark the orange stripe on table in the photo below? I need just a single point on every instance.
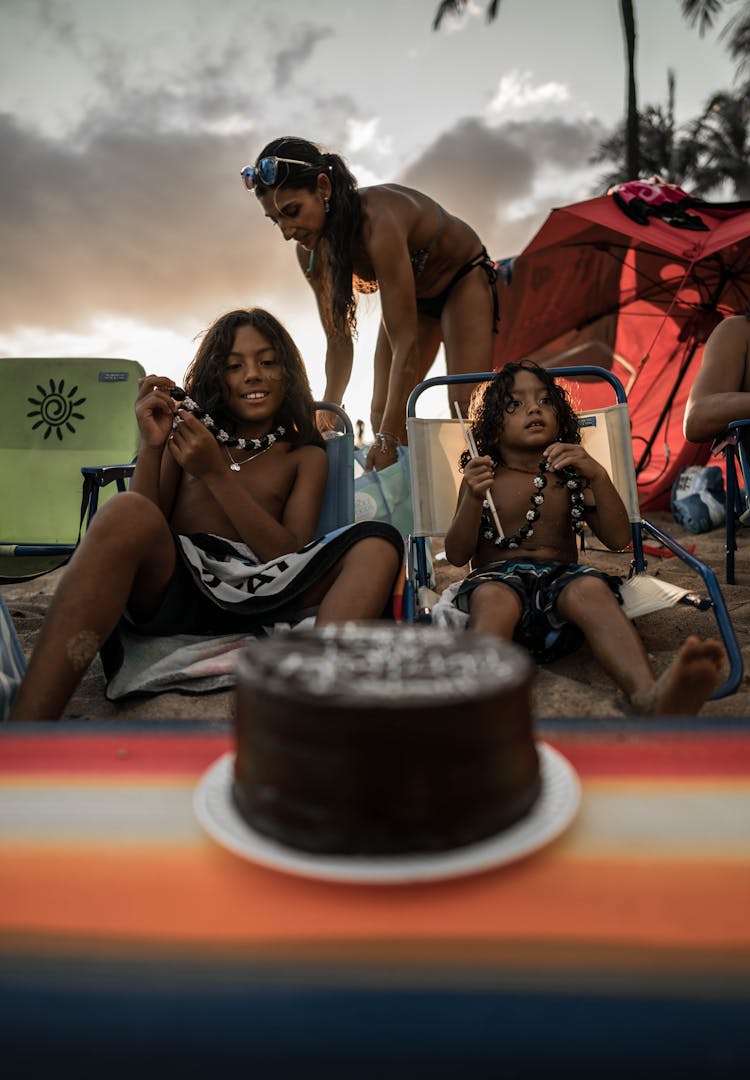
(210, 895)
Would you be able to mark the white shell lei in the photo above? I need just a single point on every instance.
(221, 436)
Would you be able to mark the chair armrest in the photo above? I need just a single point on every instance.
(96, 477)
(101, 475)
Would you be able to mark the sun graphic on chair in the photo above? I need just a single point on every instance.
(56, 408)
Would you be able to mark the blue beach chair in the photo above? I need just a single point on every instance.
(435, 446)
(735, 446)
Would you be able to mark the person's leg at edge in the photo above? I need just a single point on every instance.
(682, 689)
(359, 586)
(494, 608)
(127, 557)
(381, 373)
(428, 337)
(467, 333)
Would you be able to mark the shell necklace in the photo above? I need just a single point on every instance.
(574, 485)
(265, 442)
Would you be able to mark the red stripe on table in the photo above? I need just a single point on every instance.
(658, 754)
(118, 752)
(725, 753)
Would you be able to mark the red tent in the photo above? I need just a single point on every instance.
(595, 286)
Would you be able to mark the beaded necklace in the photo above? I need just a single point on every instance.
(263, 443)
(574, 485)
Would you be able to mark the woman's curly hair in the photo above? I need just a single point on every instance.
(343, 223)
(487, 409)
(205, 379)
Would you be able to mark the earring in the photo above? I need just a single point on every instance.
(326, 204)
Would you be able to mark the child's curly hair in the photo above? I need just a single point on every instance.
(205, 379)
(487, 409)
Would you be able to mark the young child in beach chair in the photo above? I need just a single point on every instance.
(200, 543)
(529, 583)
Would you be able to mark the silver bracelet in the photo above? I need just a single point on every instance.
(380, 440)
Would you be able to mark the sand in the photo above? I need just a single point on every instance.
(572, 687)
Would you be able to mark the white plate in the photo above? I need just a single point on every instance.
(552, 813)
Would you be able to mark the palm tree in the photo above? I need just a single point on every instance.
(663, 151)
(720, 141)
(722, 134)
(736, 31)
(632, 138)
(627, 12)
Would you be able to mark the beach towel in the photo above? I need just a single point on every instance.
(12, 661)
(242, 598)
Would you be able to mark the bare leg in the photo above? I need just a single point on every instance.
(494, 608)
(588, 603)
(688, 681)
(127, 556)
(467, 333)
(360, 584)
(428, 339)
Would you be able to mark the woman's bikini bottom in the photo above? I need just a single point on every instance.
(433, 305)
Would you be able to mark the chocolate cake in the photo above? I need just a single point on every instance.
(383, 739)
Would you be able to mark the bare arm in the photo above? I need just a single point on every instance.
(463, 535)
(156, 474)
(721, 391)
(339, 347)
(608, 516)
(197, 452)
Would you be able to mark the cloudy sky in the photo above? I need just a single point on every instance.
(124, 227)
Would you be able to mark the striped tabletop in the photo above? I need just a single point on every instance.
(109, 885)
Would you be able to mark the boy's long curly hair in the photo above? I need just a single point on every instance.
(343, 223)
(487, 409)
(205, 380)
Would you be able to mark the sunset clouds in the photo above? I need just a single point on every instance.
(123, 129)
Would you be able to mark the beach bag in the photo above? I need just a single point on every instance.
(698, 500)
(385, 495)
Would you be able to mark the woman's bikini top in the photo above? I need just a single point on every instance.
(418, 259)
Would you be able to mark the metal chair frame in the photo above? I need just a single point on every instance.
(417, 565)
(735, 451)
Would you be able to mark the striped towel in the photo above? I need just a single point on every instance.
(12, 661)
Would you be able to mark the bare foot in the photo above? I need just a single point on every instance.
(687, 683)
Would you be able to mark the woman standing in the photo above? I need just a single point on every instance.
(437, 283)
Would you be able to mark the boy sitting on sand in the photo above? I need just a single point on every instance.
(528, 585)
(200, 543)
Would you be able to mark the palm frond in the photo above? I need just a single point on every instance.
(701, 13)
(447, 7)
(456, 7)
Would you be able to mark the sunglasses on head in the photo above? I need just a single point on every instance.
(267, 170)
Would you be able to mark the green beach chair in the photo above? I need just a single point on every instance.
(56, 416)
